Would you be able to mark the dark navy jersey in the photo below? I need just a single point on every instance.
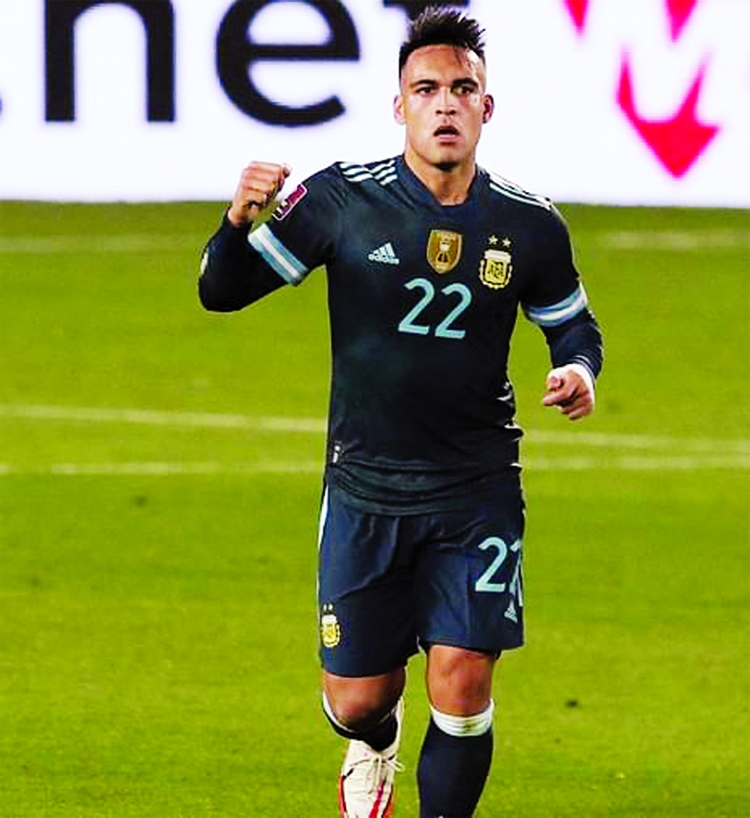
(423, 299)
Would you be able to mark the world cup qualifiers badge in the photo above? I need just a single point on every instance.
(496, 268)
(330, 630)
(285, 207)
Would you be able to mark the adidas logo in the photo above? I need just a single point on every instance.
(385, 255)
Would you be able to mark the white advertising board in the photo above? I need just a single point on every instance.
(637, 102)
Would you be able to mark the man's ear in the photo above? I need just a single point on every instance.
(398, 109)
(489, 108)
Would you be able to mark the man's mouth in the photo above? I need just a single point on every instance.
(446, 132)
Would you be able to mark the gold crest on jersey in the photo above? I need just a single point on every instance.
(444, 250)
(496, 269)
(330, 630)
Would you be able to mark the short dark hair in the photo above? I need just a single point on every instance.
(441, 26)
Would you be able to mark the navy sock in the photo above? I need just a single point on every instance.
(452, 772)
(379, 737)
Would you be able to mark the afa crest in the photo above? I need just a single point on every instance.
(444, 250)
(330, 630)
(496, 269)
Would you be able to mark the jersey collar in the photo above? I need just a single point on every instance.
(424, 196)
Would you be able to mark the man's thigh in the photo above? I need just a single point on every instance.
(364, 591)
(468, 577)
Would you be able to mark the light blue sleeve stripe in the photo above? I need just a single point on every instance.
(559, 313)
(283, 261)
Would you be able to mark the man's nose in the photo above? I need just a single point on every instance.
(445, 101)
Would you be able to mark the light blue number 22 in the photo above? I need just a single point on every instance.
(444, 329)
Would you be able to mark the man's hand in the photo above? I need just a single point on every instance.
(259, 183)
(571, 389)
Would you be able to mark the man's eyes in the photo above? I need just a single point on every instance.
(462, 89)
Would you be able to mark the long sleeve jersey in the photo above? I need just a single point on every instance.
(422, 302)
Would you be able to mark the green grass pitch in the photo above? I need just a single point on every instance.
(159, 484)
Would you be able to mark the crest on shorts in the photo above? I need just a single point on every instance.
(444, 250)
(496, 269)
(330, 630)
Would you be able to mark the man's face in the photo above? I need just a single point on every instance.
(443, 105)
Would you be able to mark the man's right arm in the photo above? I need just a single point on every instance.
(232, 275)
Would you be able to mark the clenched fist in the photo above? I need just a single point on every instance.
(571, 389)
(259, 184)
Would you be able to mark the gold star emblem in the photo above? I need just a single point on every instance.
(507, 242)
(493, 240)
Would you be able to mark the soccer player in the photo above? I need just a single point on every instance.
(428, 258)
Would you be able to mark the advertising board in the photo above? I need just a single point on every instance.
(644, 102)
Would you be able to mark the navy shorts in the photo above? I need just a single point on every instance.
(387, 584)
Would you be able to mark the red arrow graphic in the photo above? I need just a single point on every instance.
(676, 142)
(679, 11)
(578, 10)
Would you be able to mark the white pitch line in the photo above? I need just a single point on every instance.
(150, 417)
(214, 469)
(645, 463)
(656, 240)
(674, 240)
(683, 463)
(692, 446)
(103, 243)
(162, 469)
(608, 440)
(167, 469)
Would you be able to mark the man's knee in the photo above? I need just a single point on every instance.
(459, 681)
(357, 704)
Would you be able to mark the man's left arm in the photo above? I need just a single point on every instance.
(556, 302)
(576, 353)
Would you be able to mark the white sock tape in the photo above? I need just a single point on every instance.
(464, 726)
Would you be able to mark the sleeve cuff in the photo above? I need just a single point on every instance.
(585, 373)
